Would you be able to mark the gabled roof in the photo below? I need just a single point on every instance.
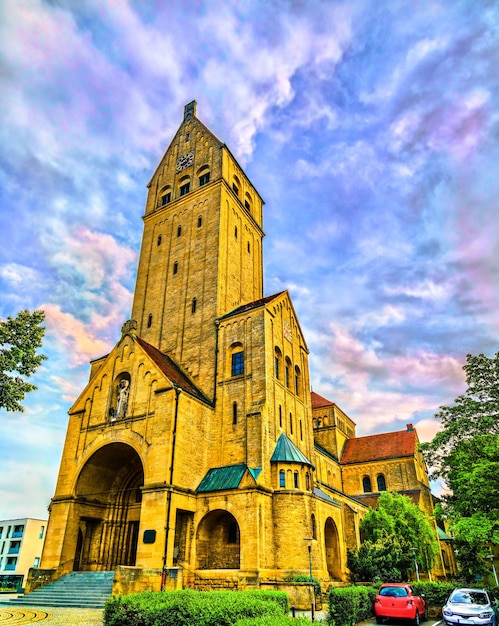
(170, 369)
(286, 452)
(323, 451)
(322, 495)
(319, 401)
(376, 447)
(219, 478)
(250, 306)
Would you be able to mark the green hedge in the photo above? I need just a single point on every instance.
(436, 593)
(193, 608)
(281, 620)
(350, 605)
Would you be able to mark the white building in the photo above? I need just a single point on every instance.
(21, 545)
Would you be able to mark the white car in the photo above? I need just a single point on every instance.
(470, 607)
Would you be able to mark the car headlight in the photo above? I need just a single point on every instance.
(485, 615)
(448, 612)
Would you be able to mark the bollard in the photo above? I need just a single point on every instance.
(293, 611)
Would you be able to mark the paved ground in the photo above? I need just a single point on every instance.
(51, 616)
(80, 617)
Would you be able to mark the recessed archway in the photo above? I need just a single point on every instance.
(108, 500)
(332, 549)
(218, 541)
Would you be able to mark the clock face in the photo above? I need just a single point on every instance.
(184, 161)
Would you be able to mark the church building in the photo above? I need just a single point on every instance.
(196, 451)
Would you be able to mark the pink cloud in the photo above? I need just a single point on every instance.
(76, 339)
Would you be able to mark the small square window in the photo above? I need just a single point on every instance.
(184, 189)
(204, 179)
(166, 198)
(237, 364)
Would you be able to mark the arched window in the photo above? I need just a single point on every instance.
(282, 478)
(307, 481)
(366, 484)
(179, 231)
(280, 416)
(200, 221)
(313, 527)
(235, 232)
(159, 240)
(236, 185)
(234, 412)
(184, 186)
(291, 423)
(165, 196)
(296, 480)
(236, 360)
(301, 431)
(175, 267)
(149, 321)
(287, 372)
(247, 202)
(194, 305)
(381, 482)
(297, 380)
(277, 363)
(204, 175)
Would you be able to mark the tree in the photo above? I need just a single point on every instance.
(393, 535)
(465, 455)
(20, 338)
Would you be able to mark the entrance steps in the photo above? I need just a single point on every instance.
(85, 590)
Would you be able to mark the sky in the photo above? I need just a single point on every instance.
(370, 128)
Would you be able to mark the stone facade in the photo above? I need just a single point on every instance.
(195, 444)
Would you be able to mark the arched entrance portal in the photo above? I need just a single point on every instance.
(218, 541)
(108, 500)
(332, 545)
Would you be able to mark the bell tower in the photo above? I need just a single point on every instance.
(201, 254)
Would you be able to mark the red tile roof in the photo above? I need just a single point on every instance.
(319, 401)
(402, 443)
(170, 369)
(251, 305)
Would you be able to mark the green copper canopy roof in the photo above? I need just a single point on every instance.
(286, 452)
(219, 478)
(442, 535)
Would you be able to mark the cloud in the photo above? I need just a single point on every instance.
(72, 336)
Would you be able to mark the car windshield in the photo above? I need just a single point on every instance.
(396, 592)
(469, 597)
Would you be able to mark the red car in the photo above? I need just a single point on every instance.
(398, 601)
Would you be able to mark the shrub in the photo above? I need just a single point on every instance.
(350, 605)
(302, 578)
(436, 593)
(281, 620)
(193, 608)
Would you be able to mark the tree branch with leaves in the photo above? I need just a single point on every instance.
(465, 455)
(20, 338)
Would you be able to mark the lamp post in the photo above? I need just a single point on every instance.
(310, 539)
(415, 562)
(491, 557)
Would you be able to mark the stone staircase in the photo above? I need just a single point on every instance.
(87, 590)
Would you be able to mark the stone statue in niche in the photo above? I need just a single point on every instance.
(122, 403)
